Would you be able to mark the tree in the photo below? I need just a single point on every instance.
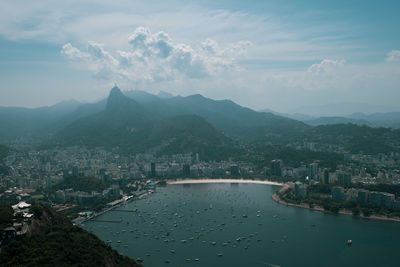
(366, 212)
(355, 211)
(335, 209)
(6, 216)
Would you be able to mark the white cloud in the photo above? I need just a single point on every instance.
(155, 57)
(326, 66)
(97, 51)
(210, 46)
(100, 62)
(393, 56)
(285, 90)
(73, 52)
(107, 22)
(159, 44)
(202, 57)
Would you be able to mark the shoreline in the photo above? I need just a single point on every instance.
(216, 181)
(275, 197)
(78, 222)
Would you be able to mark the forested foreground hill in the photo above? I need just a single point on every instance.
(54, 241)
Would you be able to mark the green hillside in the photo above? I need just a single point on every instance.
(226, 116)
(356, 138)
(54, 241)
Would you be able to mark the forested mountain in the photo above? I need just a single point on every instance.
(225, 115)
(136, 121)
(356, 139)
(337, 120)
(132, 127)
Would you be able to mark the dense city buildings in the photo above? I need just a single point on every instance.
(108, 176)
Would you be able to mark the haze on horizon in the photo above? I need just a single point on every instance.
(278, 55)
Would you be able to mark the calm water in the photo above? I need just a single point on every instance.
(179, 224)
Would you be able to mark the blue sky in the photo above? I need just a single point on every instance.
(279, 55)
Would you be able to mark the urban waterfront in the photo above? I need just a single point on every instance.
(234, 224)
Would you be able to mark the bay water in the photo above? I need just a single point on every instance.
(232, 224)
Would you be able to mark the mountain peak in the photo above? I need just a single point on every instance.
(197, 97)
(115, 91)
(117, 99)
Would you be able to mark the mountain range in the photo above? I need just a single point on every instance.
(17, 122)
(384, 119)
(226, 116)
(341, 109)
(136, 121)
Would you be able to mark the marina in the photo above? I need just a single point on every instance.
(185, 225)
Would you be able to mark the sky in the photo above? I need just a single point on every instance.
(280, 55)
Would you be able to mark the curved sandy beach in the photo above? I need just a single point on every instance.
(207, 181)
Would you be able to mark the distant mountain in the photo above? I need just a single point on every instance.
(133, 127)
(337, 120)
(83, 110)
(163, 94)
(389, 119)
(342, 109)
(16, 122)
(61, 108)
(136, 121)
(295, 116)
(234, 120)
(299, 117)
(355, 138)
(143, 97)
(356, 133)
